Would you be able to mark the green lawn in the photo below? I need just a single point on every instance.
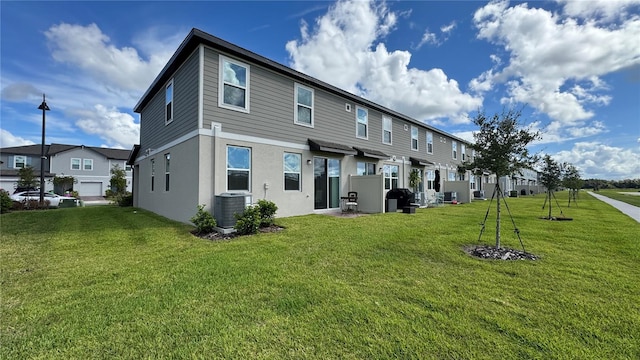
(105, 282)
(625, 195)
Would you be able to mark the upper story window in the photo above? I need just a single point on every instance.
(454, 149)
(414, 138)
(365, 168)
(362, 123)
(386, 130)
(233, 92)
(238, 168)
(87, 164)
(463, 151)
(429, 142)
(19, 161)
(75, 164)
(292, 171)
(304, 105)
(168, 96)
(473, 155)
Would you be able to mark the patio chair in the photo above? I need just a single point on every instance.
(351, 203)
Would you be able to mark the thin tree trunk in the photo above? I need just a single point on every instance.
(549, 194)
(498, 220)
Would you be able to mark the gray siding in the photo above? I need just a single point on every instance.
(272, 116)
(153, 131)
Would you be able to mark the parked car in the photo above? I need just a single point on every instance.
(54, 200)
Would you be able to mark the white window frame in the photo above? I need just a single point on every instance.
(297, 104)
(168, 115)
(285, 172)
(167, 172)
(454, 150)
(463, 150)
(387, 127)
(431, 179)
(365, 123)
(366, 166)
(451, 175)
(415, 137)
(387, 171)
(153, 174)
(16, 162)
(429, 142)
(221, 83)
(86, 162)
(238, 169)
(79, 164)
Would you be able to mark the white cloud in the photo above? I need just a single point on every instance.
(556, 60)
(600, 161)
(345, 49)
(7, 139)
(87, 48)
(21, 91)
(116, 128)
(428, 38)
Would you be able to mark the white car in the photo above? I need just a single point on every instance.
(54, 200)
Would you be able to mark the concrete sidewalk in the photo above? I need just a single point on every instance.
(627, 209)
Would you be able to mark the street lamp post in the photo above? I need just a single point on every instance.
(44, 108)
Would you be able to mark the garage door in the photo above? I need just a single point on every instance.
(90, 189)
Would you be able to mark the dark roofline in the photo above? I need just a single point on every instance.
(53, 149)
(197, 37)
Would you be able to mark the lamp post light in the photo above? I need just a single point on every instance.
(44, 108)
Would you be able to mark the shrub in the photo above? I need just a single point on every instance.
(125, 199)
(5, 201)
(267, 211)
(248, 222)
(204, 221)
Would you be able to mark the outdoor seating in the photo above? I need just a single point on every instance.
(350, 202)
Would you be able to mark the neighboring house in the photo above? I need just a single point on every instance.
(221, 119)
(90, 166)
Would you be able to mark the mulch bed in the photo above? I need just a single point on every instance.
(216, 236)
(493, 253)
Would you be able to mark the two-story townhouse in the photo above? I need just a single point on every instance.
(90, 166)
(221, 119)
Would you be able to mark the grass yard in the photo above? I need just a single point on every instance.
(630, 196)
(105, 282)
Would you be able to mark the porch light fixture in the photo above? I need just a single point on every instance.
(44, 107)
(308, 161)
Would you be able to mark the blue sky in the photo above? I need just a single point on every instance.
(573, 67)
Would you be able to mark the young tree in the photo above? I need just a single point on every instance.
(550, 178)
(572, 181)
(501, 148)
(27, 178)
(118, 180)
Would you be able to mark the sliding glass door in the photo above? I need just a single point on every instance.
(326, 174)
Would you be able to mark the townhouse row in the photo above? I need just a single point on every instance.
(221, 119)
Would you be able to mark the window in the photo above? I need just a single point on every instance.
(167, 170)
(463, 150)
(127, 167)
(168, 96)
(461, 176)
(452, 175)
(304, 106)
(362, 122)
(87, 164)
(390, 177)
(429, 142)
(347, 107)
(19, 161)
(238, 168)
(431, 179)
(292, 171)
(414, 138)
(472, 182)
(75, 164)
(365, 168)
(153, 173)
(386, 129)
(234, 85)
(454, 149)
